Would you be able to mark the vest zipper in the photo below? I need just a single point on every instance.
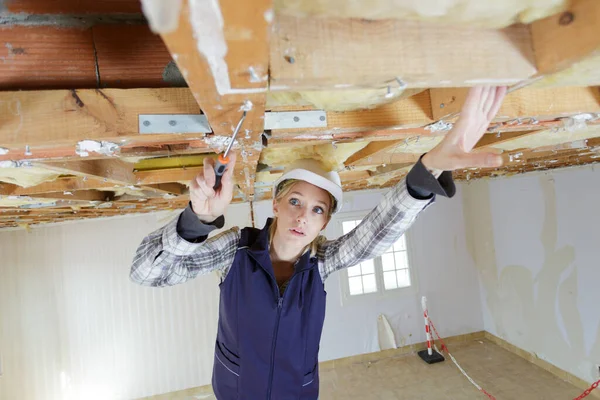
(279, 307)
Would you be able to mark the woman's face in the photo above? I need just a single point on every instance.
(301, 214)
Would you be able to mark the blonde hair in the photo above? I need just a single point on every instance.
(282, 190)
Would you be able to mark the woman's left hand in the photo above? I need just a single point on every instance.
(454, 151)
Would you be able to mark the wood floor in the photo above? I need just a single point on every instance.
(503, 374)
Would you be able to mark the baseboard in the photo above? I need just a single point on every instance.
(412, 348)
(532, 358)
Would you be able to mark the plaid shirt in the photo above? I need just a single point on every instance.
(164, 258)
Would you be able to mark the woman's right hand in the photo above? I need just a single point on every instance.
(207, 204)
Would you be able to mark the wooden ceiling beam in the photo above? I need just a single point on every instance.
(328, 53)
(227, 72)
(537, 103)
(567, 46)
(113, 171)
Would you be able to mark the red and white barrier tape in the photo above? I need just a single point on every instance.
(482, 390)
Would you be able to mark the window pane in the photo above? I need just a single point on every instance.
(367, 267)
(400, 245)
(369, 283)
(389, 279)
(347, 226)
(401, 260)
(387, 260)
(403, 278)
(354, 271)
(355, 285)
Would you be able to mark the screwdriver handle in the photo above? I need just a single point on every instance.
(220, 168)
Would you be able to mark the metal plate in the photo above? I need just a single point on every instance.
(175, 123)
(295, 119)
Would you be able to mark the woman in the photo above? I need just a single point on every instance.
(272, 301)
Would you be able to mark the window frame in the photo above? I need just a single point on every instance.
(381, 292)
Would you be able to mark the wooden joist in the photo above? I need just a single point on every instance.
(541, 104)
(567, 46)
(226, 68)
(113, 171)
(319, 53)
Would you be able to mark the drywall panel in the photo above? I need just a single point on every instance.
(444, 273)
(534, 240)
(73, 326)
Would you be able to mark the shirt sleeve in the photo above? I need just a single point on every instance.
(165, 258)
(190, 228)
(387, 222)
(421, 183)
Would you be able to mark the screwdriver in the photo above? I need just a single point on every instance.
(223, 159)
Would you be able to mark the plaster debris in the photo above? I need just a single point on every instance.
(207, 25)
(269, 15)
(255, 76)
(163, 17)
(579, 144)
(3, 151)
(169, 196)
(439, 126)
(85, 146)
(247, 106)
(25, 202)
(68, 193)
(219, 143)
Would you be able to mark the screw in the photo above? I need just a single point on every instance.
(146, 123)
(322, 118)
(172, 122)
(27, 150)
(566, 18)
(290, 59)
(296, 119)
(442, 105)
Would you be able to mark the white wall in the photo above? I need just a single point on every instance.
(536, 245)
(445, 274)
(73, 326)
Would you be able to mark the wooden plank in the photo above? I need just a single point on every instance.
(236, 73)
(45, 57)
(539, 103)
(222, 86)
(370, 150)
(82, 195)
(492, 139)
(567, 45)
(73, 6)
(320, 53)
(79, 183)
(52, 118)
(62, 184)
(140, 60)
(111, 171)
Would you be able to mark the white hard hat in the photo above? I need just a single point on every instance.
(312, 171)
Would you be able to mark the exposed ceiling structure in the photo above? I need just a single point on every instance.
(109, 108)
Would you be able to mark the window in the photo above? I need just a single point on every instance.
(389, 272)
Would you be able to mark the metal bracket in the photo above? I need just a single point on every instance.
(198, 123)
(173, 123)
(295, 119)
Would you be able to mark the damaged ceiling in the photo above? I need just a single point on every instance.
(73, 144)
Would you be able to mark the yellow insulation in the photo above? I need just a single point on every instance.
(483, 13)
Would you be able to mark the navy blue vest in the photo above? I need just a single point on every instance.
(267, 345)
